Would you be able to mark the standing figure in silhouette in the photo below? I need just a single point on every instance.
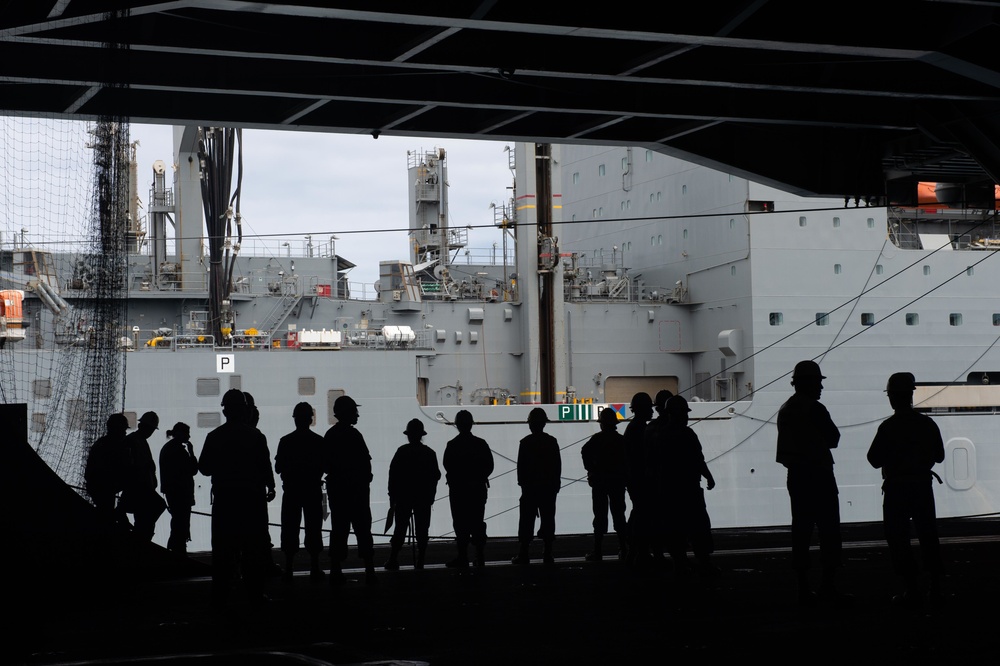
(468, 463)
(906, 447)
(178, 465)
(679, 480)
(107, 465)
(604, 459)
(139, 496)
(299, 461)
(271, 568)
(656, 522)
(348, 486)
(806, 435)
(635, 480)
(413, 479)
(236, 458)
(539, 473)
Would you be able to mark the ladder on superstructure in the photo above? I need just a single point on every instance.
(276, 317)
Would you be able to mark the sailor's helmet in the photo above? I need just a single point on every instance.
(608, 415)
(464, 419)
(234, 398)
(901, 382)
(150, 418)
(807, 370)
(661, 398)
(538, 415)
(640, 400)
(117, 422)
(344, 404)
(677, 405)
(415, 427)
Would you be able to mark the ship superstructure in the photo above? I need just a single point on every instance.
(622, 270)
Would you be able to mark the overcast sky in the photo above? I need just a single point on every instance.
(323, 184)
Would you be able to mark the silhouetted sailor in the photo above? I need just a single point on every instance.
(178, 465)
(235, 456)
(682, 467)
(253, 418)
(653, 442)
(635, 479)
(107, 465)
(413, 479)
(906, 448)
(139, 497)
(348, 488)
(300, 461)
(604, 459)
(539, 473)
(806, 434)
(468, 463)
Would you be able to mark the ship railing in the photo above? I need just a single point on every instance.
(165, 338)
(622, 290)
(250, 340)
(169, 279)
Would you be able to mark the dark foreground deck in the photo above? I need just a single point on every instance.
(74, 595)
(574, 612)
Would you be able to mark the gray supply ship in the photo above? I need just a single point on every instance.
(621, 270)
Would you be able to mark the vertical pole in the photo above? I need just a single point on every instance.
(546, 278)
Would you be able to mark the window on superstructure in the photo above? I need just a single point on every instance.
(912, 318)
(624, 164)
(685, 233)
(207, 386)
(836, 222)
(802, 220)
(42, 388)
(307, 386)
(970, 270)
(576, 177)
(732, 223)
(649, 155)
(879, 269)
(867, 318)
(76, 415)
(822, 319)
(600, 169)
(331, 397)
(38, 422)
(955, 319)
(659, 195)
(684, 189)
(996, 318)
(594, 214)
(871, 223)
(659, 239)
(776, 318)
(208, 420)
(927, 269)
(732, 270)
(236, 382)
(837, 269)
